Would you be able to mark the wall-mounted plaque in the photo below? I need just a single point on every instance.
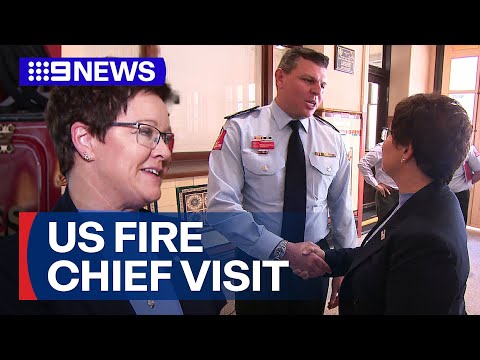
(344, 59)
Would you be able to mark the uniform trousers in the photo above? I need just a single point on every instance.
(296, 296)
(463, 198)
(385, 203)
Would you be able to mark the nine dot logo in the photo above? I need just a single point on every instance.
(36, 69)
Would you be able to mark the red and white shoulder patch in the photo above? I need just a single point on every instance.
(219, 142)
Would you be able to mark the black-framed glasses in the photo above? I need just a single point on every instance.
(385, 133)
(148, 135)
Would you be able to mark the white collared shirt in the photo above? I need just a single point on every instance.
(459, 180)
(374, 159)
(248, 186)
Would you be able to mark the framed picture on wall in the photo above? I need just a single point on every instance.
(192, 204)
(344, 59)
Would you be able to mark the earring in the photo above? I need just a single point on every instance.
(87, 157)
(403, 160)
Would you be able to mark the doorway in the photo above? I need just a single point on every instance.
(377, 117)
(461, 81)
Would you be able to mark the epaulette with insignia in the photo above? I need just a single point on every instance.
(326, 122)
(241, 112)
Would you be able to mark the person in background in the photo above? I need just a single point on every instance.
(386, 194)
(465, 177)
(416, 260)
(247, 184)
(114, 145)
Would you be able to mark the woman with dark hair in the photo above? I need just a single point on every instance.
(415, 261)
(114, 145)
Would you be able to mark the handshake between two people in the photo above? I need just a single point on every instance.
(307, 259)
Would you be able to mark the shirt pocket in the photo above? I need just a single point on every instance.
(264, 176)
(323, 172)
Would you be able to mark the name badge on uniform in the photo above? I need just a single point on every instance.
(382, 235)
(326, 154)
(263, 144)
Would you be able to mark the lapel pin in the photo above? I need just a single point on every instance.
(382, 235)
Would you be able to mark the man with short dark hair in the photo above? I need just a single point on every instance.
(264, 193)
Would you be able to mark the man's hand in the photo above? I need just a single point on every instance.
(336, 282)
(306, 259)
(382, 188)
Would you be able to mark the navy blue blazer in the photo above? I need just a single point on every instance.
(417, 263)
(9, 303)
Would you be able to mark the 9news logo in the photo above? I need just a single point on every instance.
(92, 71)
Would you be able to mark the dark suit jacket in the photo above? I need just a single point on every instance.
(9, 303)
(417, 263)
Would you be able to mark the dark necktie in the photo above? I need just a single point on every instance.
(295, 195)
